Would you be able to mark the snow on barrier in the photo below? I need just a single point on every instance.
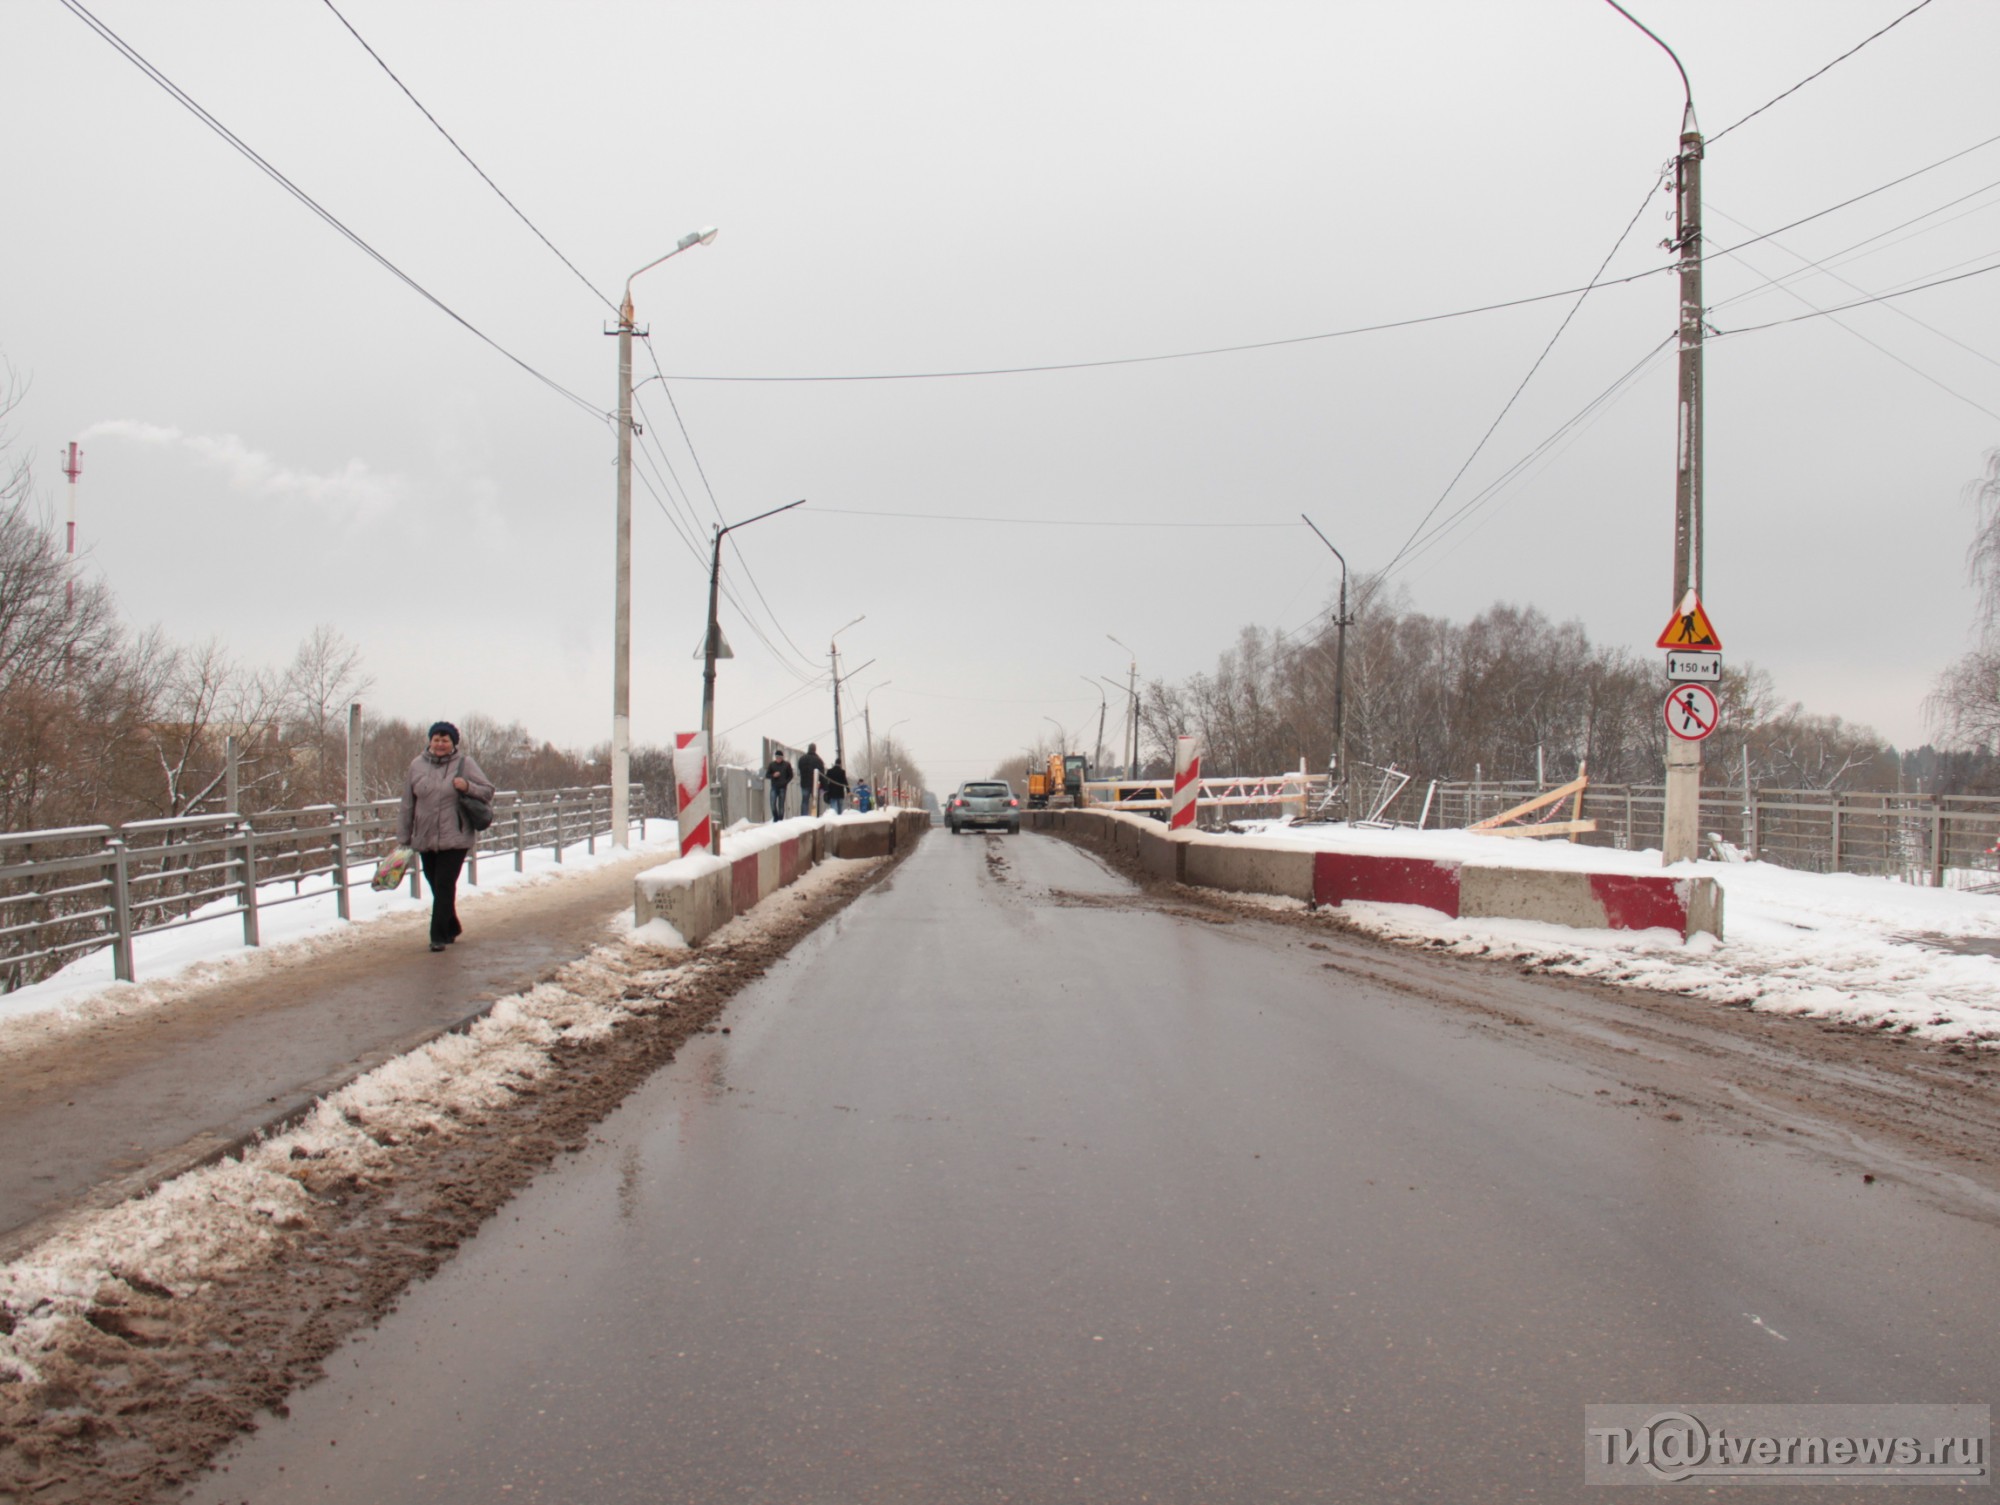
(691, 787)
(1463, 890)
(699, 893)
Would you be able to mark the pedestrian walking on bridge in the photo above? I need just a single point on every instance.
(780, 775)
(811, 766)
(430, 821)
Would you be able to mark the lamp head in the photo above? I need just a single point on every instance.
(701, 237)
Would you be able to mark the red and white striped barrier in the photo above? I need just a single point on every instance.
(691, 785)
(1187, 783)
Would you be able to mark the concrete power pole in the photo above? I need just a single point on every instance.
(1681, 838)
(621, 643)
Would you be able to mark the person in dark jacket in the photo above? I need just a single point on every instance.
(833, 788)
(780, 775)
(430, 822)
(811, 766)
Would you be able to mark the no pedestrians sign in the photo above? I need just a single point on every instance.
(1692, 712)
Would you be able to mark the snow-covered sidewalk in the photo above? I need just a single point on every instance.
(1865, 951)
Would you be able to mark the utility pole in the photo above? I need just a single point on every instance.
(73, 468)
(1681, 837)
(833, 660)
(1132, 691)
(1681, 821)
(1341, 622)
(1097, 764)
(712, 643)
(621, 605)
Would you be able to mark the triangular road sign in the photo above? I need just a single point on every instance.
(722, 648)
(1689, 627)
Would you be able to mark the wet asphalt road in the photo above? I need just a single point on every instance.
(994, 1194)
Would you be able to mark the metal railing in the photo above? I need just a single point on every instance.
(67, 893)
(1938, 840)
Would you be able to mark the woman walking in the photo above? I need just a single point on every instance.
(430, 821)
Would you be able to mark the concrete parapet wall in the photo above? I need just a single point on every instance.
(1340, 876)
(700, 901)
(1593, 901)
(1249, 867)
(1556, 896)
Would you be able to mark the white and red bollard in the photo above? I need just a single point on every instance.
(1187, 779)
(691, 786)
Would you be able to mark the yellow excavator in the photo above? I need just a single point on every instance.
(1059, 784)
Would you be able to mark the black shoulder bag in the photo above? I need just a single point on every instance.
(474, 811)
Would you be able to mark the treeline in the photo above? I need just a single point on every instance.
(101, 725)
(1508, 695)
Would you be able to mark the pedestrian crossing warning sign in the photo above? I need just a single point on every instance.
(1689, 627)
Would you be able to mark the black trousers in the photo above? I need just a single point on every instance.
(441, 874)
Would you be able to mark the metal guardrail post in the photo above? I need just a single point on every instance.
(590, 822)
(559, 831)
(472, 861)
(249, 884)
(520, 837)
(1756, 825)
(341, 906)
(1836, 835)
(1938, 836)
(121, 910)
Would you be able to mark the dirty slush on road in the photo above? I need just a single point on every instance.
(127, 1363)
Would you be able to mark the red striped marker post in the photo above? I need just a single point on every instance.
(1187, 777)
(691, 785)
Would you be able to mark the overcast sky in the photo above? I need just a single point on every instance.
(279, 432)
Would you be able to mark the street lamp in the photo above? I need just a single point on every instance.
(1097, 764)
(1339, 661)
(868, 730)
(621, 645)
(833, 660)
(1132, 760)
(712, 642)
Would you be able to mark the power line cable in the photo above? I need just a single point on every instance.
(1189, 355)
(187, 102)
(1508, 406)
(468, 156)
(1906, 365)
(1039, 522)
(1843, 204)
(1811, 76)
(1852, 251)
(1841, 308)
(1783, 284)
(701, 470)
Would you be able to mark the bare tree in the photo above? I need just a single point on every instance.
(1964, 705)
(324, 679)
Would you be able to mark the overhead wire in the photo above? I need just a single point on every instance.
(1841, 308)
(1188, 355)
(519, 213)
(1811, 76)
(1038, 522)
(702, 471)
(1522, 386)
(187, 102)
(1712, 256)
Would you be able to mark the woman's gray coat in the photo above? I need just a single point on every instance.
(429, 820)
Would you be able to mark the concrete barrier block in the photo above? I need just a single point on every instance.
(769, 870)
(696, 906)
(1248, 868)
(1593, 901)
(1341, 876)
(871, 836)
(743, 882)
(1161, 854)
